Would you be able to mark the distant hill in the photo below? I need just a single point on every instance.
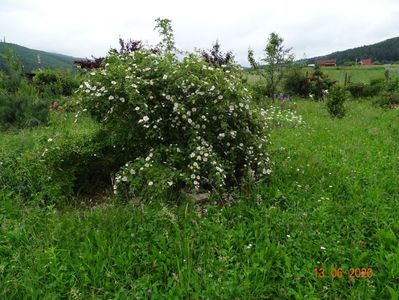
(29, 58)
(384, 52)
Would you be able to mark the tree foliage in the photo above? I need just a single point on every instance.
(275, 61)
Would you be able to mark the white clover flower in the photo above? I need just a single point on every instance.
(137, 108)
(146, 118)
(212, 88)
(124, 178)
(192, 176)
(220, 97)
(165, 77)
(113, 82)
(322, 248)
(122, 99)
(170, 183)
(50, 140)
(111, 97)
(150, 183)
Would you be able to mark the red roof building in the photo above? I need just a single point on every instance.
(327, 63)
(366, 61)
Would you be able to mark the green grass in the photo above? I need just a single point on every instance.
(357, 74)
(335, 185)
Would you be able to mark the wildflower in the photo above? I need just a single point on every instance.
(137, 108)
(50, 140)
(165, 77)
(113, 82)
(150, 183)
(322, 248)
(145, 118)
(249, 246)
(111, 97)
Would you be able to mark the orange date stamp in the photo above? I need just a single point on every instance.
(352, 273)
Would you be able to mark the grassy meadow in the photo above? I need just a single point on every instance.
(331, 203)
(357, 74)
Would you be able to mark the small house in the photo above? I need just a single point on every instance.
(327, 63)
(366, 61)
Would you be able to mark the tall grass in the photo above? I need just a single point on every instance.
(332, 202)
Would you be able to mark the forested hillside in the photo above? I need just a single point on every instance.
(384, 52)
(29, 58)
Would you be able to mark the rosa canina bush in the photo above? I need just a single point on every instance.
(181, 123)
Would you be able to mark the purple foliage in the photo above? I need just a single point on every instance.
(216, 58)
(93, 63)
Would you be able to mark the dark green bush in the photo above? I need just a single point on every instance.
(387, 100)
(259, 91)
(22, 111)
(69, 83)
(70, 162)
(376, 86)
(336, 98)
(48, 83)
(390, 96)
(53, 83)
(319, 83)
(296, 83)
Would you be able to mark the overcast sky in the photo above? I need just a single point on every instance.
(312, 27)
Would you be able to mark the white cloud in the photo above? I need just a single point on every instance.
(82, 28)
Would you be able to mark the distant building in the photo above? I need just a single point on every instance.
(327, 63)
(366, 61)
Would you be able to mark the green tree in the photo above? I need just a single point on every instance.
(14, 70)
(164, 28)
(275, 62)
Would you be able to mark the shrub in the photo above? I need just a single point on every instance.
(390, 96)
(296, 83)
(319, 83)
(358, 90)
(69, 83)
(51, 83)
(177, 123)
(48, 83)
(22, 111)
(376, 86)
(336, 98)
(50, 166)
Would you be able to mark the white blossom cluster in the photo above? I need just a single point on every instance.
(282, 117)
(193, 119)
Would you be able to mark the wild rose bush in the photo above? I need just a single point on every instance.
(178, 123)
